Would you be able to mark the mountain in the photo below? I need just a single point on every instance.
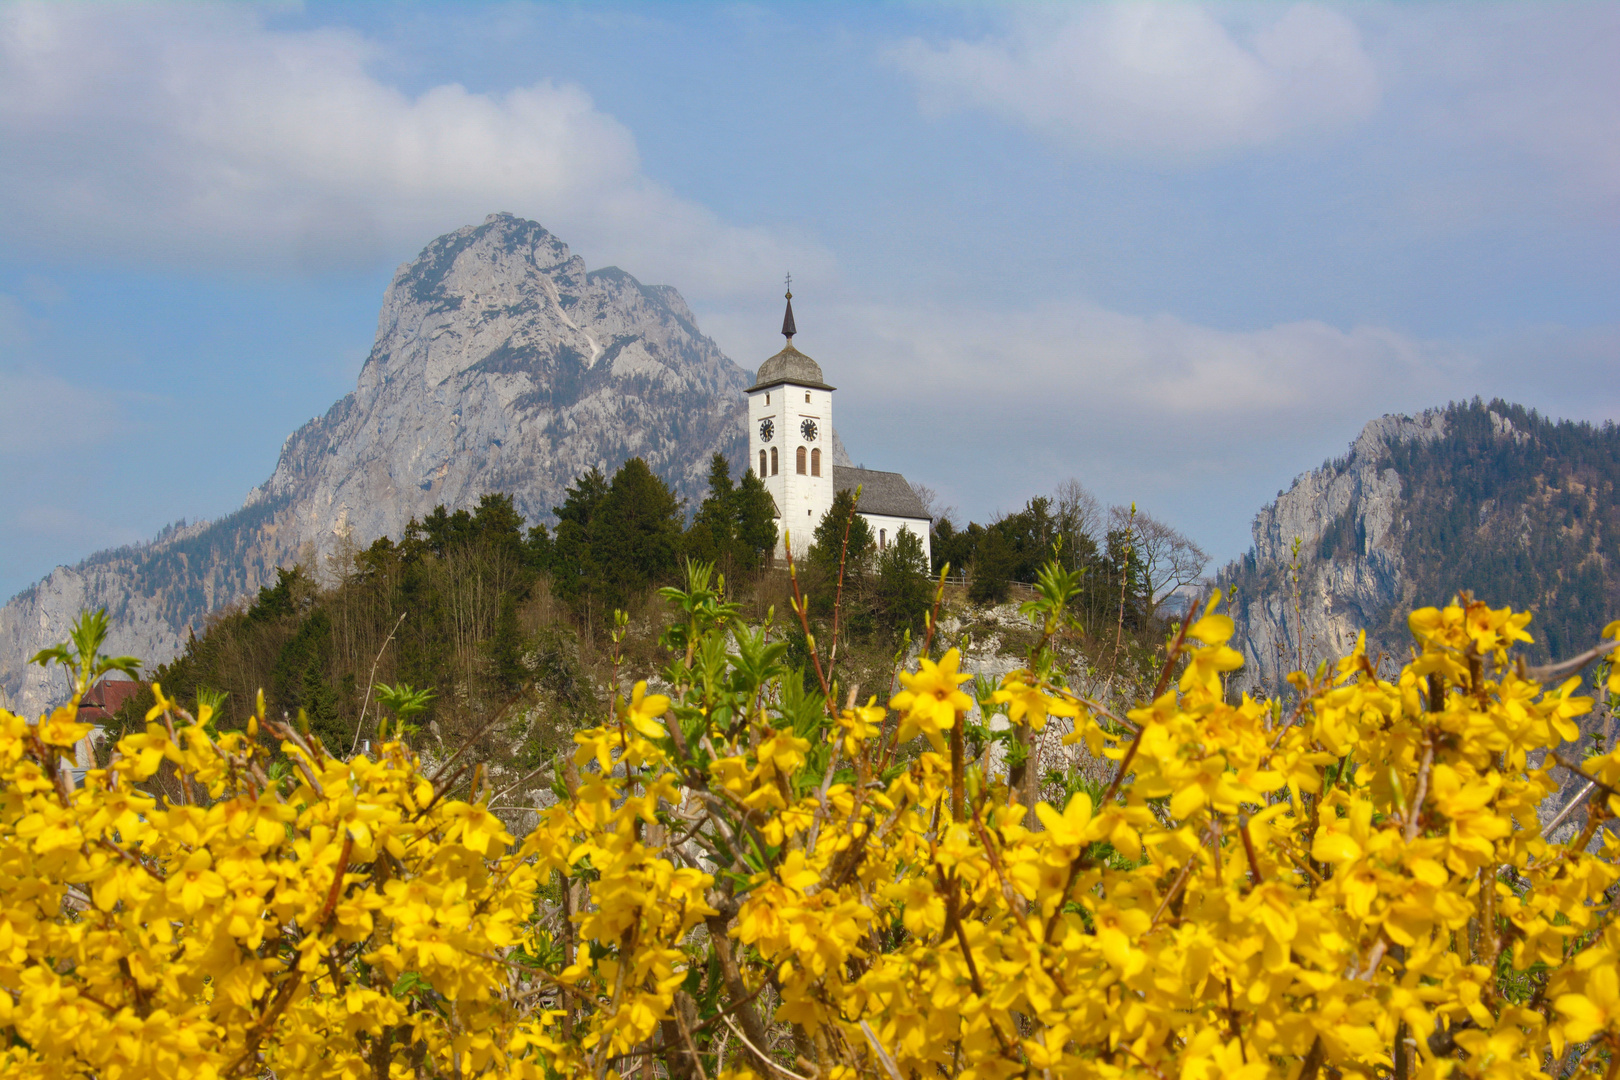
(1491, 498)
(500, 365)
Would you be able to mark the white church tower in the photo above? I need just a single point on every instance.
(790, 447)
(790, 440)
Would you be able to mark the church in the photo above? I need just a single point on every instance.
(791, 449)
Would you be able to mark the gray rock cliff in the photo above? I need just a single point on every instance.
(501, 364)
(1337, 597)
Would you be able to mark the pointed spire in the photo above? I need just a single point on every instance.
(788, 329)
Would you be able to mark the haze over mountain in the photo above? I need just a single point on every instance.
(1492, 498)
(501, 364)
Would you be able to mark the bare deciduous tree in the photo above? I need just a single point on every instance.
(1168, 558)
(932, 504)
(1079, 514)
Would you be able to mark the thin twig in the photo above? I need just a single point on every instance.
(760, 1054)
(1569, 808)
(1583, 774)
(883, 1055)
(370, 684)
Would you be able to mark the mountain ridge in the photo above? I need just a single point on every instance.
(500, 364)
(1487, 497)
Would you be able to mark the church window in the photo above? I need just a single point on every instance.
(815, 463)
(807, 397)
(800, 461)
(767, 399)
(883, 539)
(762, 464)
(773, 461)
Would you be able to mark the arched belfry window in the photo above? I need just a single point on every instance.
(773, 460)
(799, 461)
(762, 473)
(815, 462)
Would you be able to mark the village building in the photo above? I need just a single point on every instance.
(790, 425)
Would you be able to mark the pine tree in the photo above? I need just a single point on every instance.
(570, 547)
(756, 532)
(903, 594)
(634, 536)
(712, 537)
(827, 544)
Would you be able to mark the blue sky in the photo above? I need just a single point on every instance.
(1179, 252)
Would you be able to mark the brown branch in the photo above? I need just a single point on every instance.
(1248, 849)
(1175, 651)
(1414, 820)
(1548, 672)
(802, 609)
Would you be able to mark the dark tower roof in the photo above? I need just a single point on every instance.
(790, 365)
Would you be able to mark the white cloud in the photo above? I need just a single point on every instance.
(1132, 367)
(1158, 80)
(1540, 81)
(198, 134)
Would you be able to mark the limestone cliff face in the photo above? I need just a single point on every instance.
(501, 364)
(1357, 500)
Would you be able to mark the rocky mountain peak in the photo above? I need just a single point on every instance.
(501, 364)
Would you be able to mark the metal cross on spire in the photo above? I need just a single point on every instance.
(788, 329)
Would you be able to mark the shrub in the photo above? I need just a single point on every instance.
(743, 877)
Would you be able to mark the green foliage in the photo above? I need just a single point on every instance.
(904, 593)
(635, 535)
(82, 655)
(615, 539)
(735, 527)
(756, 533)
(290, 595)
(827, 544)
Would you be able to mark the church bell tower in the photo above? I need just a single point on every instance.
(790, 440)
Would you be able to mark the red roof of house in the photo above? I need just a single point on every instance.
(104, 699)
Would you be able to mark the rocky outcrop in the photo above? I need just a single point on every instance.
(1345, 519)
(501, 364)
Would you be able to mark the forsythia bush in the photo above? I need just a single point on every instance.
(745, 878)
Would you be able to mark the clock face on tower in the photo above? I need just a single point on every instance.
(808, 430)
(767, 428)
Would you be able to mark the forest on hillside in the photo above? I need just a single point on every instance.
(1525, 517)
(494, 617)
(1507, 505)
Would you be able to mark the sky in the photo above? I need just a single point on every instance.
(1179, 252)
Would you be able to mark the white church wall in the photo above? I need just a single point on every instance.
(885, 528)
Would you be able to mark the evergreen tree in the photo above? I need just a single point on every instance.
(995, 561)
(507, 673)
(712, 537)
(955, 546)
(497, 524)
(827, 544)
(903, 593)
(634, 536)
(570, 547)
(756, 532)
